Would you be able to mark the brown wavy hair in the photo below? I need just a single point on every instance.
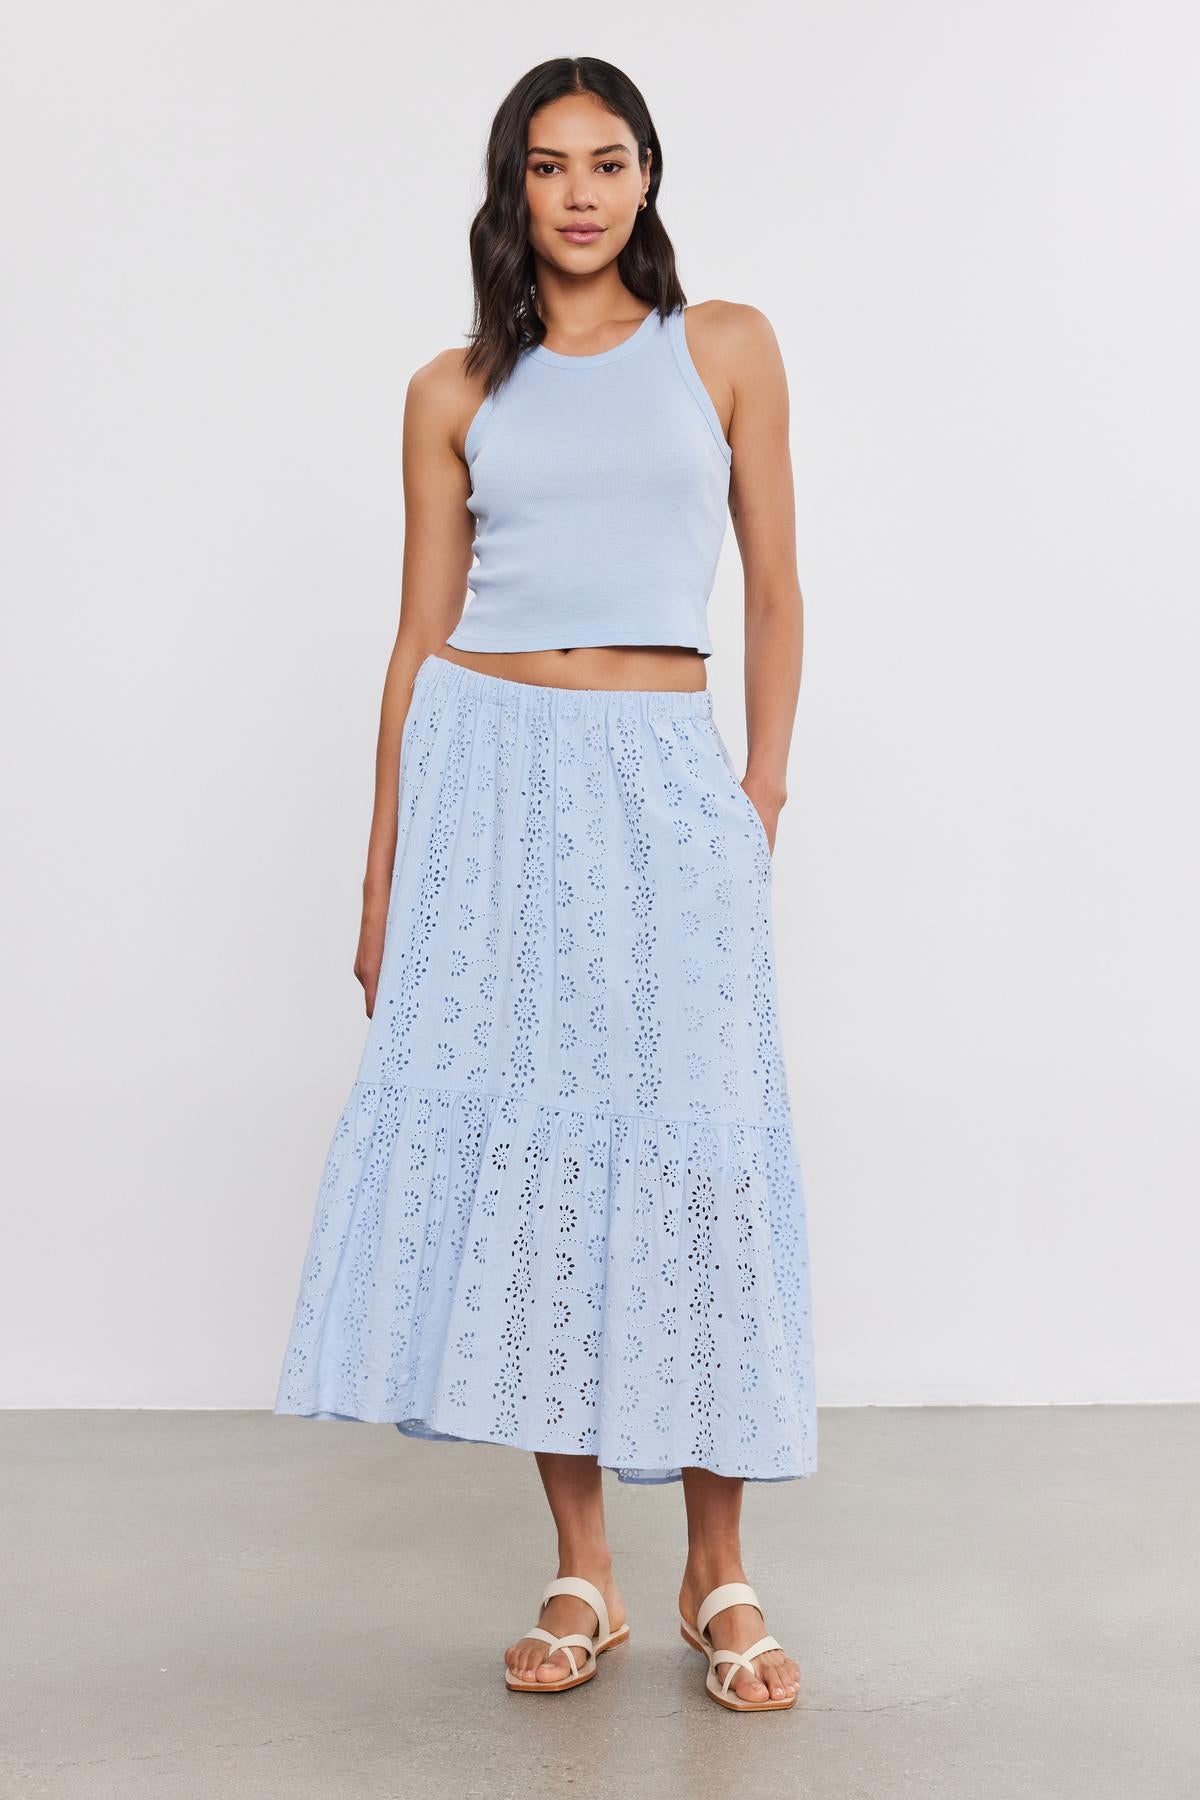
(505, 320)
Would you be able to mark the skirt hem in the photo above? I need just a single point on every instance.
(651, 1476)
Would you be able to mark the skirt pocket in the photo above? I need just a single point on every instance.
(742, 797)
(756, 816)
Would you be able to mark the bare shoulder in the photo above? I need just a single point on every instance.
(730, 329)
(441, 398)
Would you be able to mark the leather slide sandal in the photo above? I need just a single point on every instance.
(603, 1640)
(731, 1593)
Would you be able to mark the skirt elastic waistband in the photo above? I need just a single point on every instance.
(652, 702)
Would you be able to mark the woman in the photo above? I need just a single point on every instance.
(562, 1209)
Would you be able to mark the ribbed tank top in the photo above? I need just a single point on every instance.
(599, 488)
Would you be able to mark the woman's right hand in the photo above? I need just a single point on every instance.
(369, 959)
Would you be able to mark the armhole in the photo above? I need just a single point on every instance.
(687, 368)
(478, 420)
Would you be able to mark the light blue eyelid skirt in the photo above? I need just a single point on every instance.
(562, 1208)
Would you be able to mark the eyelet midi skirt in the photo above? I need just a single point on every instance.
(562, 1208)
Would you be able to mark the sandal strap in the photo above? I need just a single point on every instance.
(582, 1590)
(564, 1644)
(730, 1593)
(743, 1658)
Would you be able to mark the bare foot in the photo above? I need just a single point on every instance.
(736, 1628)
(562, 1615)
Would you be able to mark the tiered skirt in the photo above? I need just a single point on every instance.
(562, 1208)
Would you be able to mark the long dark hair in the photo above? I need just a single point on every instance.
(505, 321)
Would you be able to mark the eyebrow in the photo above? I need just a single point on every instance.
(541, 150)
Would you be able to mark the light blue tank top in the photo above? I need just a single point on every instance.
(599, 488)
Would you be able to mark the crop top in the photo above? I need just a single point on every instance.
(599, 488)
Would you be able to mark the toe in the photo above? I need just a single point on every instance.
(555, 1669)
(524, 1658)
(781, 1676)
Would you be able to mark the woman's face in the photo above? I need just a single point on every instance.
(582, 182)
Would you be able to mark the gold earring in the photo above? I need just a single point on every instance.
(642, 204)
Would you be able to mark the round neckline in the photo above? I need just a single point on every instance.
(540, 353)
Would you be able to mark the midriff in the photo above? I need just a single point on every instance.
(663, 666)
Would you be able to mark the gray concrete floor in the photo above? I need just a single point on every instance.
(985, 1602)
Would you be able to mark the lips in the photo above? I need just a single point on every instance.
(580, 234)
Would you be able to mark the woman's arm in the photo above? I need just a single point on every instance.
(763, 508)
(438, 532)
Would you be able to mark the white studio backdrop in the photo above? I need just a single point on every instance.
(232, 233)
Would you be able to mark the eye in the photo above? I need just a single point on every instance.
(538, 167)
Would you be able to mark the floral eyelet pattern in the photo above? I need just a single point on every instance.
(562, 1208)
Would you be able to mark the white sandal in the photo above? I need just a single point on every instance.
(731, 1593)
(603, 1640)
